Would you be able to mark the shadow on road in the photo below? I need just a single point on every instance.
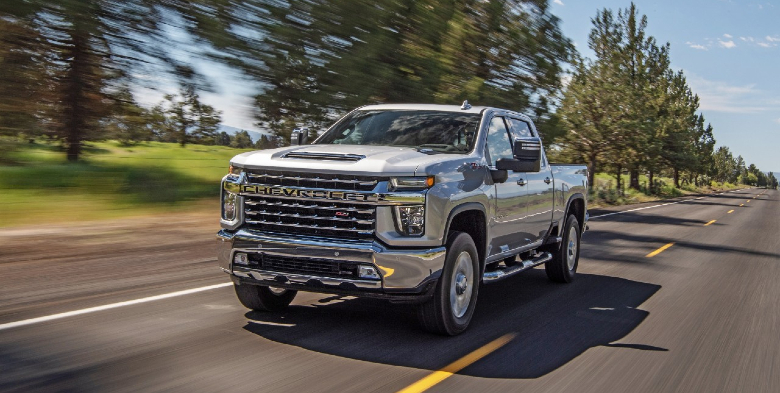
(553, 324)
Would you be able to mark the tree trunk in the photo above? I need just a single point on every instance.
(591, 171)
(634, 181)
(676, 178)
(74, 118)
(651, 186)
(619, 180)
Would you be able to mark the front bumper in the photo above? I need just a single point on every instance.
(406, 273)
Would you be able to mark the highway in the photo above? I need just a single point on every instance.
(681, 296)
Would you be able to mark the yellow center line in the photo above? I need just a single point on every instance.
(731, 211)
(658, 251)
(710, 222)
(741, 204)
(748, 201)
(438, 376)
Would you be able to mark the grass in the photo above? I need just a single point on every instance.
(605, 192)
(38, 185)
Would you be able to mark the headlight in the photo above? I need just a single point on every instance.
(229, 200)
(412, 183)
(234, 170)
(410, 220)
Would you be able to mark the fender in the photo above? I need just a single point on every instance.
(471, 206)
(559, 224)
(568, 207)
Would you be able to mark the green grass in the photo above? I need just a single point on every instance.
(38, 185)
(605, 192)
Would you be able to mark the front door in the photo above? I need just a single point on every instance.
(509, 204)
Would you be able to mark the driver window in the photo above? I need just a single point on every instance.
(498, 142)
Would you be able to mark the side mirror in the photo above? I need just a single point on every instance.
(499, 175)
(515, 165)
(528, 156)
(529, 148)
(300, 136)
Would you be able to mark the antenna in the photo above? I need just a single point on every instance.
(466, 105)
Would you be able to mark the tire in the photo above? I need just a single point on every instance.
(563, 266)
(450, 309)
(262, 298)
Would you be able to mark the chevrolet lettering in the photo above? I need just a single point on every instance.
(414, 204)
(303, 193)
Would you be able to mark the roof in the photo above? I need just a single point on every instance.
(424, 107)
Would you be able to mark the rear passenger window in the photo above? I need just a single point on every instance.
(520, 129)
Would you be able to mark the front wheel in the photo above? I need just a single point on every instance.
(452, 306)
(563, 266)
(262, 298)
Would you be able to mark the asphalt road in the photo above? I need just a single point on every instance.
(703, 315)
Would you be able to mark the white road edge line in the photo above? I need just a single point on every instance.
(48, 318)
(647, 207)
(640, 208)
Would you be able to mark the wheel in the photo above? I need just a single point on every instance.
(261, 298)
(563, 265)
(450, 309)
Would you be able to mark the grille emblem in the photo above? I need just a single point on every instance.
(342, 214)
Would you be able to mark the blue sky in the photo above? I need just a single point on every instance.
(730, 52)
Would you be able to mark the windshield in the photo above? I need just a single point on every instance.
(427, 131)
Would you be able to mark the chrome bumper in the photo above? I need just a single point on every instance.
(402, 271)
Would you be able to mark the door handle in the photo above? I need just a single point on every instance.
(547, 180)
(521, 182)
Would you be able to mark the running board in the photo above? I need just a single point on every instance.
(501, 274)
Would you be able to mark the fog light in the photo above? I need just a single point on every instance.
(368, 272)
(240, 259)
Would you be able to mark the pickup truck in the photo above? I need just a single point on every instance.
(417, 204)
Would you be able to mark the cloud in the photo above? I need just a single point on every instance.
(747, 39)
(727, 44)
(728, 36)
(718, 96)
(773, 39)
(559, 2)
(696, 46)
(764, 45)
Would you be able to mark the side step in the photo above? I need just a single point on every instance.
(501, 274)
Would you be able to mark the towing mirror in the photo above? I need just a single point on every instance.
(300, 136)
(527, 156)
(513, 164)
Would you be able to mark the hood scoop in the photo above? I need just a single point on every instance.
(324, 156)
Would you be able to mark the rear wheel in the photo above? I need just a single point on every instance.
(563, 266)
(452, 306)
(262, 298)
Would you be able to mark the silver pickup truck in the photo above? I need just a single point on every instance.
(419, 204)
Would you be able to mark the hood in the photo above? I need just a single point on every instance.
(352, 159)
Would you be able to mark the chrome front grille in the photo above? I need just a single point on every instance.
(322, 181)
(310, 216)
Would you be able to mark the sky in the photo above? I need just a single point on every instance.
(730, 53)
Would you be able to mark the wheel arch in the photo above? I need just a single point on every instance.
(471, 218)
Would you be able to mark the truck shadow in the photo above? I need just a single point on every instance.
(552, 324)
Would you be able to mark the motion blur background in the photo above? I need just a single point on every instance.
(111, 108)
